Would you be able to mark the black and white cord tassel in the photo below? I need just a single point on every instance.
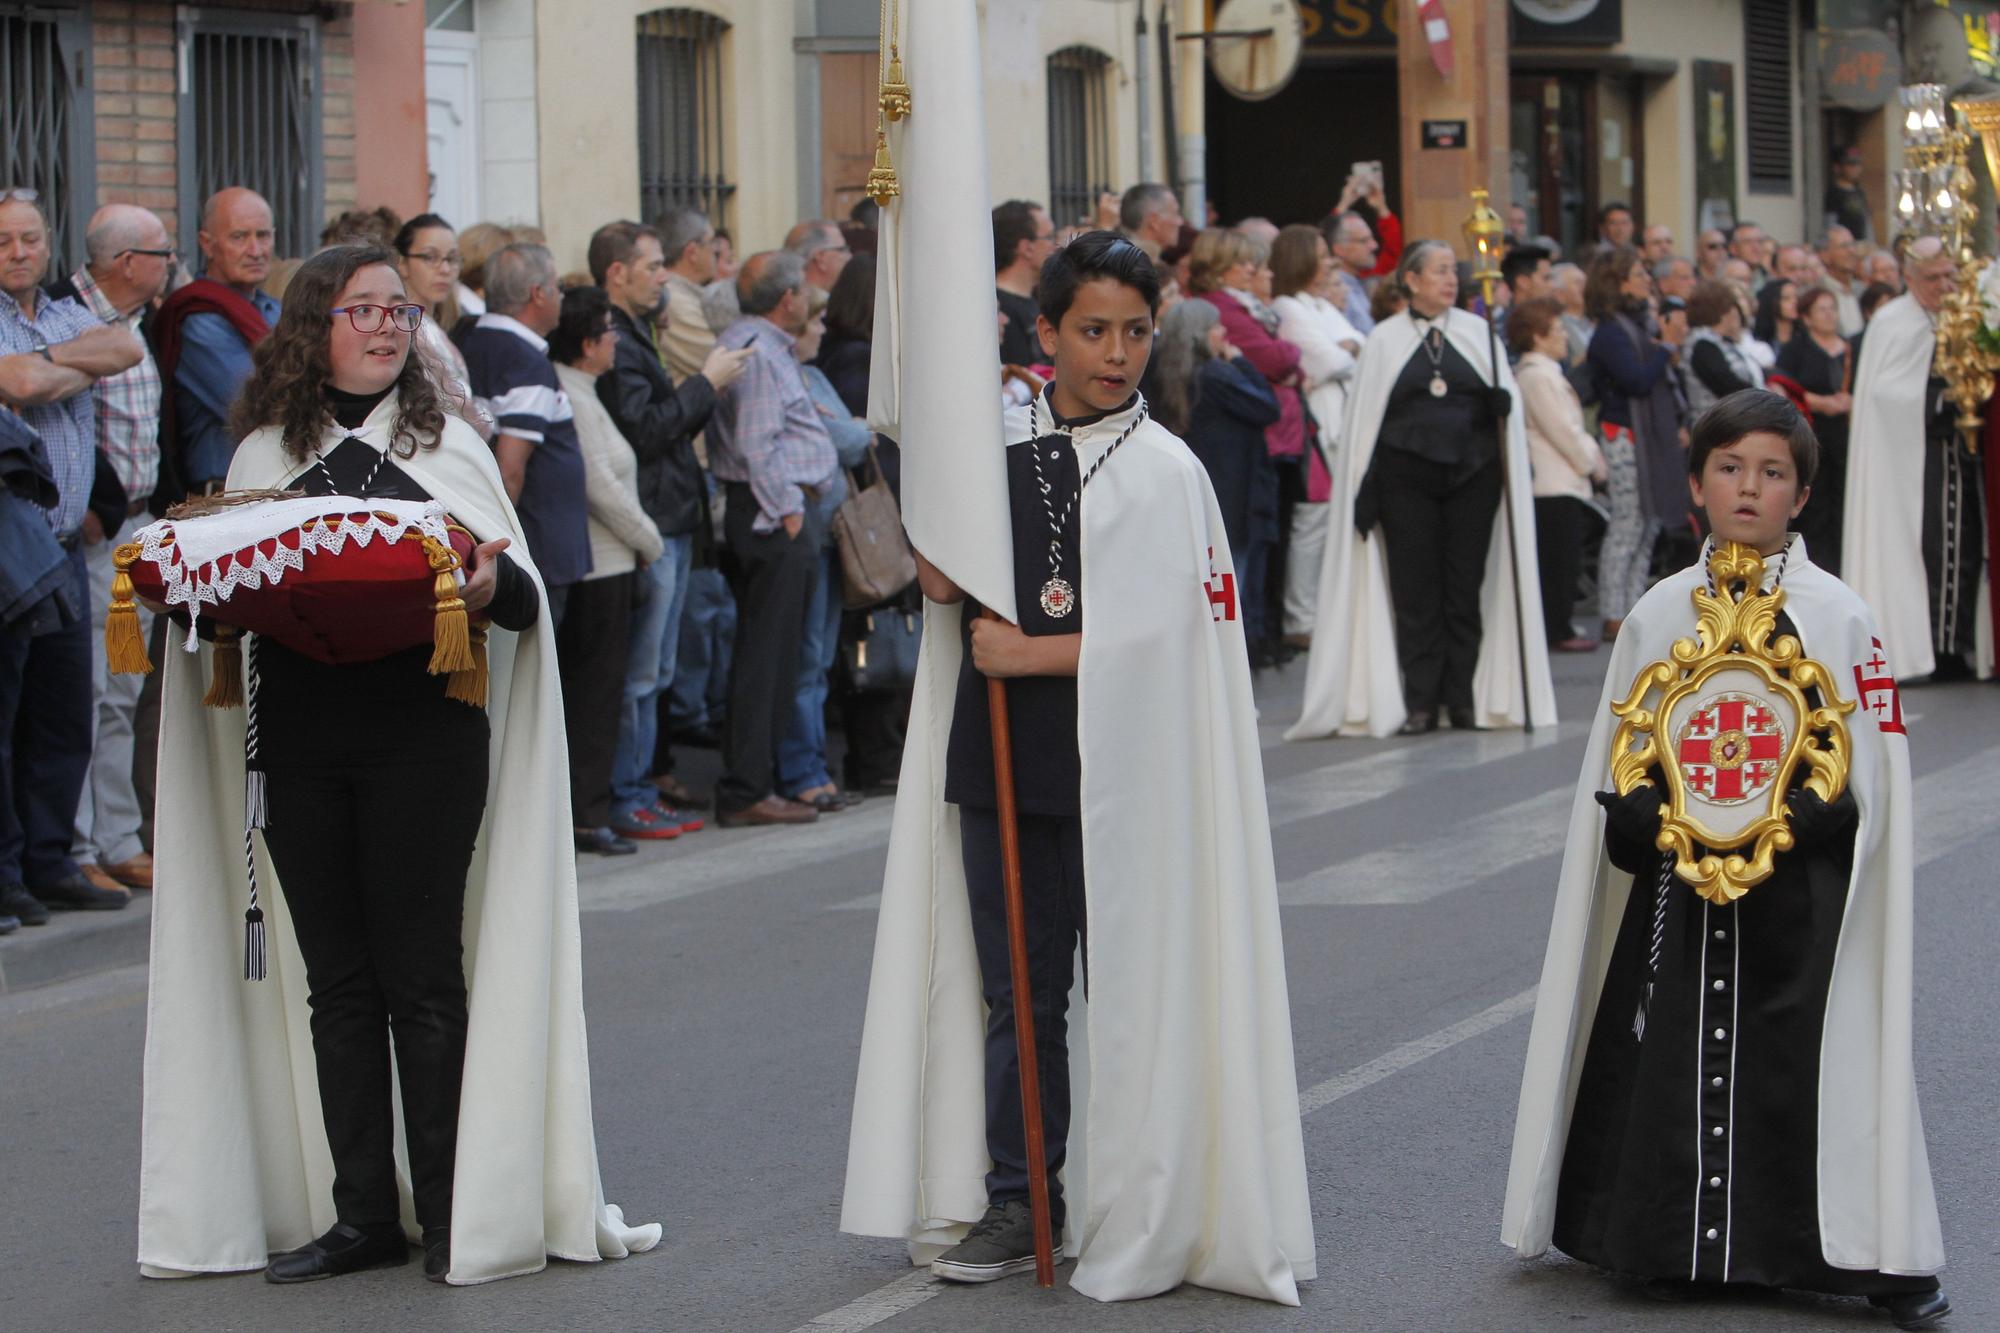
(254, 811)
(1661, 886)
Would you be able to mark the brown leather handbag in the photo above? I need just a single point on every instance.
(876, 562)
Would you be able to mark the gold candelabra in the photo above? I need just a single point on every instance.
(1935, 197)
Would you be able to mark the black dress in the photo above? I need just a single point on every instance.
(1692, 1152)
(1819, 522)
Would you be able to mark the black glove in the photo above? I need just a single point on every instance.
(1367, 506)
(1635, 816)
(1499, 402)
(1815, 822)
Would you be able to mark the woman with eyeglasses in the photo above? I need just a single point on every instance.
(430, 264)
(425, 886)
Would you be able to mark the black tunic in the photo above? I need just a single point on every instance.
(1457, 429)
(1731, 1043)
(314, 714)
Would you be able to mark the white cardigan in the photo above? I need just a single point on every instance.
(622, 535)
(1318, 328)
(1561, 452)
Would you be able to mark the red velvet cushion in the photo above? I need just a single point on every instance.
(361, 604)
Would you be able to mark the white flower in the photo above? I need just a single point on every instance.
(1988, 286)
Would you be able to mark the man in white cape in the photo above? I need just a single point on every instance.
(1748, 1181)
(1186, 1160)
(234, 1157)
(1912, 540)
(1353, 684)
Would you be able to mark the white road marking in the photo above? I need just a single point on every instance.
(1425, 868)
(1322, 1095)
(883, 1303)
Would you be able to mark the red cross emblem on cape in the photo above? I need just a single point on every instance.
(1877, 688)
(1729, 748)
(1221, 589)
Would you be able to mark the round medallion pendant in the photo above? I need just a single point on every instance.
(1437, 386)
(1058, 598)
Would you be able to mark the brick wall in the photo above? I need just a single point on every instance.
(133, 53)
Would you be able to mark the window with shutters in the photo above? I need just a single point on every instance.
(1767, 88)
(1079, 132)
(680, 114)
(46, 140)
(250, 116)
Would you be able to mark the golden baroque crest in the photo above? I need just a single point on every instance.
(1728, 722)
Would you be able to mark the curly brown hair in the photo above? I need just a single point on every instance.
(287, 384)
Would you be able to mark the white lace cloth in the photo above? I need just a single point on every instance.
(204, 560)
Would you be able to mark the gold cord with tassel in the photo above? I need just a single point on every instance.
(453, 651)
(892, 103)
(124, 645)
(469, 686)
(225, 669)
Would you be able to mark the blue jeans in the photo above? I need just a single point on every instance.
(649, 671)
(700, 692)
(802, 749)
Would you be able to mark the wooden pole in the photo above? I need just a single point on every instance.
(1017, 952)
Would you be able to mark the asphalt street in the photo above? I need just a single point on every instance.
(726, 976)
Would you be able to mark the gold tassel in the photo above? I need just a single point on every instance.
(124, 646)
(895, 88)
(882, 186)
(225, 669)
(469, 686)
(453, 651)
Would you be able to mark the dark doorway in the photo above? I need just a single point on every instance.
(1285, 158)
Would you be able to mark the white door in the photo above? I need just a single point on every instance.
(451, 93)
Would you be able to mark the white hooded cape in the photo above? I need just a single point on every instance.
(1882, 524)
(1186, 1161)
(234, 1159)
(1876, 1205)
(1353, 684)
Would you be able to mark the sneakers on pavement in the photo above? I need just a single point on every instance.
(74, 893)
(604, 842)
(999, 1245)
(9, 924)
(16, 901)
(644, 825)
(678, 819)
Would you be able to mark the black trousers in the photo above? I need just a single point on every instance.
(46, 719)
(772, 579)
(1437, 525)
(1560, 522)
(372, 861)
(1053, 896)
(592, 643)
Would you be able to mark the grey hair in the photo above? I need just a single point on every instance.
(1825, 239)
(680, 227)
(1178, 353)
(513, 272)
(1664, 269)
(116, 228)
(813, 237)
(1413, 259)
(782, 272)
(1141, 202)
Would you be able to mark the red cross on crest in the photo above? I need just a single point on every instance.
(1221, 589)
(1729, 747)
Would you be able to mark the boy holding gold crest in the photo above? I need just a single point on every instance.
(1719, 1087)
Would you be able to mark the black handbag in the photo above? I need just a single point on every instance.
(878, 651)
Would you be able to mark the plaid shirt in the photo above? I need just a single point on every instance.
(128, 404)
(765, 430)
(69, 427)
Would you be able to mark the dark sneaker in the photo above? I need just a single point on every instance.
(677, 818)
(999, 1245)
(9, 924)
(644, 826)
(17, 902)
(77, 894)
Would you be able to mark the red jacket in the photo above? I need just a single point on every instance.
(1278, 361)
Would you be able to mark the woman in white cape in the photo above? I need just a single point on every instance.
(1354, 686)
(236, 1161)
(1186, 1161)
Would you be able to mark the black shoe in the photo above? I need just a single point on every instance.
(16, 901)
(9, 924)
(604, 842)
(437, 1253)
(341, 1251)
(1916, 1309)
(1419, 723)
(999, 1245)
(77, 894)
(1462, 719)
(1950, 667)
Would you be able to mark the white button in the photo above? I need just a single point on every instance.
(1718, 983)
(1722, 934)
(1715, 1182)
(1720, 1034)
(1710, 1233)
(1715, 1082)
(1716, 1132)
